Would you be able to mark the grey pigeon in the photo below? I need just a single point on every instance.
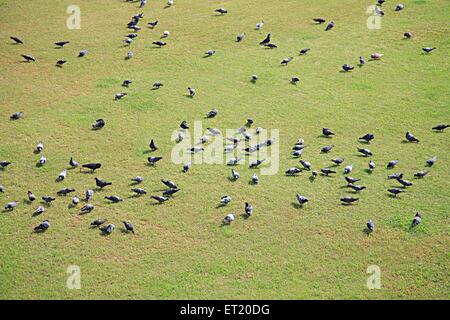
(43, 226)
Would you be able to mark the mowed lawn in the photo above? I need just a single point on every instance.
(179, 250)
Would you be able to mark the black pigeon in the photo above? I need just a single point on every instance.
(347, 67)
(327, 132)
(408, 35)
(431, 161)
(16, 40)
(44, 225)
(306, 164)
(82, 53)
(184, 125)
(28, 58)
(304, 51)
(351, 180)
(139, 191)
(98, 124)
(16, 115)
(295, 80)
(240, 37)
(169, 184)
(391, 164)
(157, 85)
(152, 160)
(256, 163)
(395, 191)
(410, 137)
(171, 191)
(212, 113)
(160, 199)
(92, 166)
(301, 199)
(395, 176)
(126, 83)
(73, 163)
(292, 171)
(98, 222)
(128, 226)
(441, 127)
(338, 161)
(286, 61)
(367, 137)
(417, 219)
(65, 191)
(405, 183)
(48, 199)
(399, 7)
(365, 152)
(319, 20)
(159, 43)
(326, 149)
(349, 200)
(428, 49)
(361, 61)
(355, 187)
(370, 226)
(330, 26)
(102, 183)
(4, 164)
(327, 171)
(153, 146)
(11, 205)
(60, 62)
(266, 40)
(113, 199)
(420, 174)
(152, 24)
(31, 196)
(61, 43)
(222, 11)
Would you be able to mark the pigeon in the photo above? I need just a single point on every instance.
(89, 195)
(171, 192)
(338, 161)
(87, 208)
(39, 147)
(249, 122)
(314, 173)
(212, 113)
(259, 25)
(120, 95)
(395, 191)
(351, 180)
(327, 171)
(248, 209)
(327, 132)
(165, 34)
(326, 149)
(301, 199)
(319, 20)
(128, 226)
(376, 56)
(431, 161)
(92, 166)
(48, 199)
(98, 222)
(60, 62)
(44, 225)
(222, 11)
(159, 43)
(292, 171)
(169, 3)
(2, 189)
(42, 160)
(39, 211)
(408, 35)
(395, 176)
(153, 146)
(157, 85)
(73, 163)
(304, 51)
(75, 200)
(367, 137)
(371, 165)
(295, 80)
(428, 49)
(191, 92)
(379, 11)
(266, 40)
(330, 26)
(349, 200)
(228, 219)
(225, 200)
(256, 163)
(298, 147)
(152, 24)
(126, 83)
(365, 152)
(370, 226)
(169, 184)
(65, 191)
(107, 230)
(380, 2)
(399, 7)
(347, 67)
(356, 187)
(137, 179)
(28, 58)
(160, 199)
(98, 124)
(210, 52)
(214, 132)
(416, 220)
(410, 137)
(16, 115)
(196, 149)
(153, 160)
(240, 37)
(11, 205)
(441, 127)
(62, 175)
(405, 183)
(362, 61)
(234, 174)
(61, 43)
(82, 53)
(258, 130)
(16, 40)
(4, 164)
(391, 164)
(114, 199)
(420, 174)
(139, 191)
(348, 169)
(101, 183)
(129, 55)
(255, 179)
(186, 167)
(305, 164)
(285, 61)
(271, 45)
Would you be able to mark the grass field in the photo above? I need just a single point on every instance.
(179, 250)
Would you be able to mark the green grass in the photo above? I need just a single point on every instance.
(179, 251)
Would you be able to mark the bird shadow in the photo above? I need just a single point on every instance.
(232, 179)
(366, 231)
(368, 171)
(244, 216)
(296, 205)
(311, 179)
